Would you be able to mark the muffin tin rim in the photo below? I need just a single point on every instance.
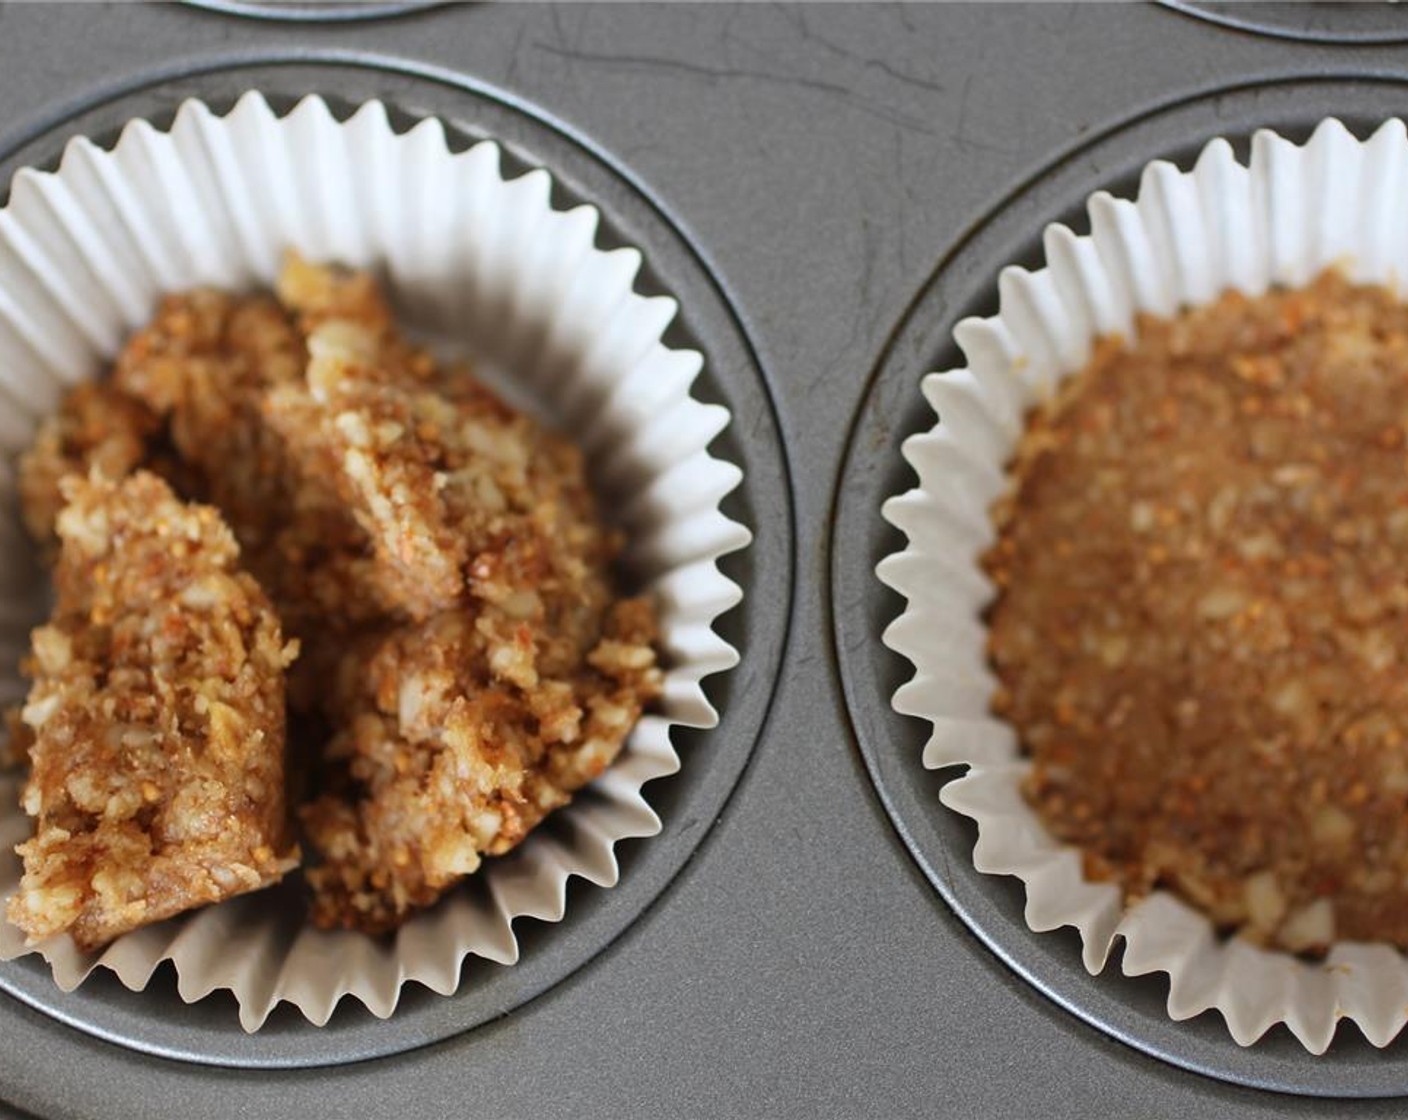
(299, 11)
(1254, 24)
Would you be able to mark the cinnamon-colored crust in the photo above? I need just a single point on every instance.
(1201, 622)
(157, 764)
(438, 557)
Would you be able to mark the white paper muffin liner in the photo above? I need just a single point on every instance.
(1187, 238)
(477, 262)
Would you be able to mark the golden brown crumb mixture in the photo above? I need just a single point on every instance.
(1201, 629)
(156, 778)
(465, 663)
(206, 365)
(440, 758)
(96, 427)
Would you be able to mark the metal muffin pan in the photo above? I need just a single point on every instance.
(807, 937)
(1129, 1009)
(155, 1020)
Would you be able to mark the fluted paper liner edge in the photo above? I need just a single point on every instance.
(1189, 236)
(478, 258)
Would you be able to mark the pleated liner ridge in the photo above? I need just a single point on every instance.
(1188, 237)
(476, 260)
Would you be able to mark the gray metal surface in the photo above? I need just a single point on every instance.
(823, 161)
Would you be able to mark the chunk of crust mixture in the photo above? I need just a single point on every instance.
(157, 706)
(201, 365)
(97, 428)
(459, 494)
(442, 758)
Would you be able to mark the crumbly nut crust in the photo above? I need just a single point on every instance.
(206, 365)
(465, 663)
(440, 758)
(507, 679)
(449, 485)
(1200, 623)
(202, 365)
(157, 708)
(97, 428)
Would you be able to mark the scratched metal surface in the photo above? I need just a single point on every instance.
(823, 160)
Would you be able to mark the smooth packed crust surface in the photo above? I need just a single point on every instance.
(465, 661)
(1199, 628)
(156, 769)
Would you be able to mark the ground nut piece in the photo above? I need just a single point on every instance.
(1201, 614)
(1312, 928)
(318, 294)
(157, 712)
(97, 428)
(1266, 906)
(440, 760)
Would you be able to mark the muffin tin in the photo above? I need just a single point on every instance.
(1130, 1009)
(156, 1021)
(815, 187)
